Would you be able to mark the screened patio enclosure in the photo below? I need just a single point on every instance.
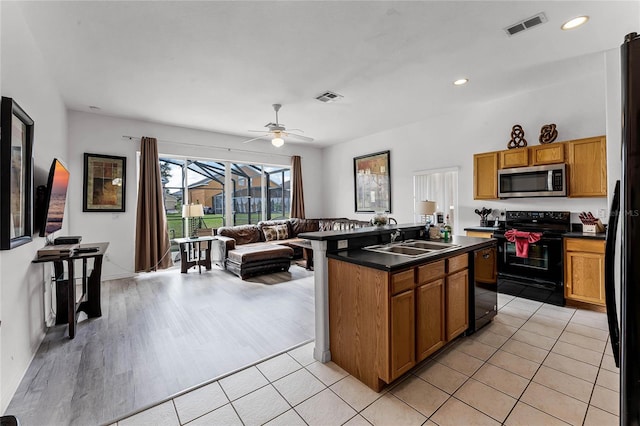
(257, 192)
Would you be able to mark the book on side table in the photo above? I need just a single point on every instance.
(57, 250)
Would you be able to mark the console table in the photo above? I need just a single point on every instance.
(67, 306)
(191, 252)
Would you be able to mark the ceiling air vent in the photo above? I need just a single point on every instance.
(329, 96)
(526, 24)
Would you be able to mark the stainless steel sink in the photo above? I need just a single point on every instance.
(399, 249)
(412, 248)
(430, 245)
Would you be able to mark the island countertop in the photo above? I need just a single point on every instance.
(359, 232)
(393, 262)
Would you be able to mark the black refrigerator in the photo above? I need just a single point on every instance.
(625, 210)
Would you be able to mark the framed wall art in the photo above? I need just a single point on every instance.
(372, 180)
(16, 175)
(104, 183)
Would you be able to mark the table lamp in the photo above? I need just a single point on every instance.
(191, 212)
(427, 209)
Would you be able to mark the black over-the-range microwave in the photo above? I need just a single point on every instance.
(537, 181)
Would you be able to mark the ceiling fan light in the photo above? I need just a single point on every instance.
(277, 142)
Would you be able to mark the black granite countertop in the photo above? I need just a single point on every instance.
(393, 262)
(358, 232)
(483, 228)
(598, 236)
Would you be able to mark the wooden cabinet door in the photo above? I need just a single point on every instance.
(457, 304)
(518, 157)
(587, 161)
(485, 176)
(429, 318)
(584, 270)
(403, 354)
(547, 154)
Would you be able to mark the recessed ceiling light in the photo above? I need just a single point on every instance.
(461, 81)
(575, 22)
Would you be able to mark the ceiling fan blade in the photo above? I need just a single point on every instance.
(298, 137)
(259, 137)
(258, 131)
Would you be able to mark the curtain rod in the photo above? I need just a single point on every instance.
(136, 138)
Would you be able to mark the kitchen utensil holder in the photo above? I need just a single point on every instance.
(593, 229)
(484, 222)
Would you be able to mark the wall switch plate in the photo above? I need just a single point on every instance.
(343, 244)
(602, 213)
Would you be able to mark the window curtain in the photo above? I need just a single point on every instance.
(297, 194)
(152, 237)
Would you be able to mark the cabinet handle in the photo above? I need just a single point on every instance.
(486, 256)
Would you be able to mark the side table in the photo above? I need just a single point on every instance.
(67, 305)
(307, 252)
(195, 252)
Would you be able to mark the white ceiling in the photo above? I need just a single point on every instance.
(220, 65)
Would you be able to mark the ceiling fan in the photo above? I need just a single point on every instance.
(277, 132)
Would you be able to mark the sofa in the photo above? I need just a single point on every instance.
(267, 246)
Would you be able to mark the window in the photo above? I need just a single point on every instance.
(258, 192)
(440, 186)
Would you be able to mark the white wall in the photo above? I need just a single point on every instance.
(576, 106)
(100, 134)
(22, 289)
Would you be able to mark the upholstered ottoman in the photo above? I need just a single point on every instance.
(254, 259)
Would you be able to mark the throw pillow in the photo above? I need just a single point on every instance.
(270, 233)
(283, 232)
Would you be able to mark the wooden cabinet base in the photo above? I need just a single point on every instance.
(583, 305)
(382, 323)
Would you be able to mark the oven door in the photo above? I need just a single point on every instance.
(540, 276)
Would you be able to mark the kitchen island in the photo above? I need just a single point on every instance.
(379, 313)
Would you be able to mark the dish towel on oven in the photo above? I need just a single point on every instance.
(522, 240)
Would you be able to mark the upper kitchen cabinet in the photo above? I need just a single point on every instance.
(587, 164)
(518, 157)
(485, 176)
(552, 153)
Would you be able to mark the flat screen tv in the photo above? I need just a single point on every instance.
(55, 198)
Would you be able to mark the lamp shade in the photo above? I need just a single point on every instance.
(192, 210)
(277, 142)
(426, 207)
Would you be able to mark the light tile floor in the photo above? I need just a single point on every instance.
(536, 364)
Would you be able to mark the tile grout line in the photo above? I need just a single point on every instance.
(538, 369)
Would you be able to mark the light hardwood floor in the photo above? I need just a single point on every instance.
(162, 333)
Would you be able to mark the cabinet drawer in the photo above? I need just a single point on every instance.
(518, 157)
(479, 234)
(583, 244)
(430, 272)
(402, 281)
(457, 263)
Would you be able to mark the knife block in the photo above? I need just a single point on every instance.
(593, 229)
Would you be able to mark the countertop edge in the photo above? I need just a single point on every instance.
(363, 261)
